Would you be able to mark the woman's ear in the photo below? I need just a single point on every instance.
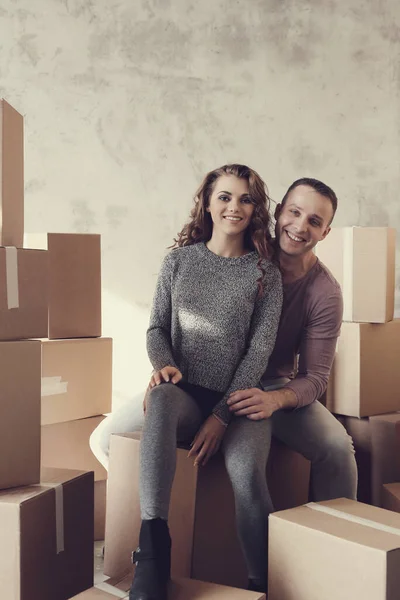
(278, 211)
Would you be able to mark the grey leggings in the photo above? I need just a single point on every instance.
(173, 416)
(312, 431)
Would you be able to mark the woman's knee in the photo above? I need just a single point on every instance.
(161, 400)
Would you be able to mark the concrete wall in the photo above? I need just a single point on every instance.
(129, 103)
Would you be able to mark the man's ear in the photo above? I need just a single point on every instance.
(278, 211)
(327, 230)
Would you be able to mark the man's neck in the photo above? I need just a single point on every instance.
(295, 267)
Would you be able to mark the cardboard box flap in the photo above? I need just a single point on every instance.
(191, 589)
(59, 476)
(349, 520)
(20, 495)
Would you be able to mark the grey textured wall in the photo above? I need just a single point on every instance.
(129, 103)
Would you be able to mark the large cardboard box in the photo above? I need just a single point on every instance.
(391, 496)
(66, 446)
(362, 259)
(365, 377)
(47, 538)
(377, 449)
(11, 176)
(75, 285)
(20, 413)
(202, 513)
(179, 589)
(336, 549)
(23, 293)
(76, 379)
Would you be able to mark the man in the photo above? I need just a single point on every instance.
(287, 405)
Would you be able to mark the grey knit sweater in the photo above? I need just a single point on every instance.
(207, 321)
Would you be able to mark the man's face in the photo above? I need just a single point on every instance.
(302, 221)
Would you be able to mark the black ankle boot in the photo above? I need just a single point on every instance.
(153, 562)
(255, 586)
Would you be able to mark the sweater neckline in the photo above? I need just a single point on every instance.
(225, 259)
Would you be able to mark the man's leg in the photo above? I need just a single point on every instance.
(127, 419)
(246, 447)
(316, 434)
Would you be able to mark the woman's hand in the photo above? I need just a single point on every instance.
(207, 441)
(167, 374)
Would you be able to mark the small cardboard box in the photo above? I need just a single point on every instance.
(202, 512)
(362, 259)
(377, 446)
(391, 496)
(366, 359)
(47, 538)
(66, 446)
(23, 293)
(11, 176)
(75, 285)
(335, 549)
(76, 379)
(20, 413)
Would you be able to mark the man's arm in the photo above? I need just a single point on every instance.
(317, 351)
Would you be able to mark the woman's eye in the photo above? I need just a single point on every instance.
(247, 200)
(224, 198)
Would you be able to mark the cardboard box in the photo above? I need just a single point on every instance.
(365, 377)
(76, 379)
(377, 446)
(100, 498)
(75, 285)
(23, 293)
(11, 176)
(20, 413)
(362, 259)
(336, 549)
(47, 539)
(66, 446)
(180, 589)
(391, 496)
(202, 514)
(76, 561)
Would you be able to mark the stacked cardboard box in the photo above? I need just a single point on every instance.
(46, 518)
(202, 513)
(363, 390)
(76, 361)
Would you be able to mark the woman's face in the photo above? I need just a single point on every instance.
(230, 205)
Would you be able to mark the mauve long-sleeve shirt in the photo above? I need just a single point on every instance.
(309, 327)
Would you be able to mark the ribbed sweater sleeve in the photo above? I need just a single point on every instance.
(159, 343)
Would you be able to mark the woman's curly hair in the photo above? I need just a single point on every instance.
(257, 235)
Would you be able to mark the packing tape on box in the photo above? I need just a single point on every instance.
(51, 386)
(110, 589)
(12, 277)
(333, 512)
(59, 492)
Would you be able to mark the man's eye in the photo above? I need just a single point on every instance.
(295, 212)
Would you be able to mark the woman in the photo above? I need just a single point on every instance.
(212, 329)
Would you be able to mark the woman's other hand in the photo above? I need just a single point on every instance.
(168, 374)
(207, 441)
